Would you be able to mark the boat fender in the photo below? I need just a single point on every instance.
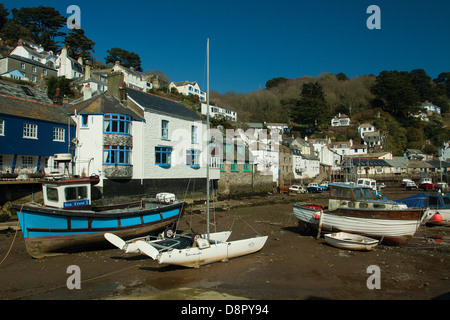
(316, 216)
(168, 233)
(437, 217)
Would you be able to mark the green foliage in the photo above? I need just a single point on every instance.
(396, 93)
(78, 45)
(44, 24)
(126, 58)
(311, 109)
(275, 82)
(61, 83)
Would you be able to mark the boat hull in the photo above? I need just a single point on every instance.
(391, 227)
(350, 241)
(219, 251)
(49, 232)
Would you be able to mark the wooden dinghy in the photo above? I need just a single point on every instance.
(350, 241)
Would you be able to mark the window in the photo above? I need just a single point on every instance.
(45, 72)
(27, 161)
(235, 167)
(2, 127)
(30, 131)
(22, 65)
(33, 68)
(165, 129)
(246, 166)
(240, 150)
(116, 123)
(76, 193)
(163, 156)
(84, 120)
(58, 134)
(117, 155)
(34, 79)
(193, 158)
(52, 194)
(193, 134)
(227, 148)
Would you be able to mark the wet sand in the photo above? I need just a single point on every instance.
(291, 266)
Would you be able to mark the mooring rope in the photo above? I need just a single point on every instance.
(15, 234)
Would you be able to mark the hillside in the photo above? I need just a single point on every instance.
(388, 101)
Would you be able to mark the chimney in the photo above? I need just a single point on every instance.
(87, 92)
(87, 72)
(20, 43)
(115, 81)
(80, 60)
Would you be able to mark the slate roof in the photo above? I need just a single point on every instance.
(364, 162)
(24, 92)
(103, 103)
(34, 62)
(32, 109)
(162, 105)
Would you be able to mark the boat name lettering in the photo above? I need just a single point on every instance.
(71, 204)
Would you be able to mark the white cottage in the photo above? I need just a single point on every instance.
(140, 143)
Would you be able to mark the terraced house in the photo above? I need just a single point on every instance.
(140, 143)
(32, 130)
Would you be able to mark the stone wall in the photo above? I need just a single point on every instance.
(240, 183)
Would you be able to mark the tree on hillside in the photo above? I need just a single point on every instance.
(443, 83)
(4, 13)
(126, 58)
(275, 82)
(423, 85)
(311, 109)
(61, 83)
(396, 94)
(44, 24)
(78, 45)
(341, 76)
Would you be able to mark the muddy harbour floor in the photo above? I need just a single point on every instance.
(291, 266)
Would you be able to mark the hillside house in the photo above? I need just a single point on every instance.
(218, 112)
(341, 120)
(69, 67)
(132, 78)
(189, 88)
(25, 69)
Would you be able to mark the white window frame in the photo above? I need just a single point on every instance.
(59, 134)
(2, 127)
(30, 131)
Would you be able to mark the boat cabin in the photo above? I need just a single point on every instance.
(366, 182)
(357, 197)
(68, 193)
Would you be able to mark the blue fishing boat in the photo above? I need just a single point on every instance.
(69, 222)
(437, 203)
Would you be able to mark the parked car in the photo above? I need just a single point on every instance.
(297, 189)
(443, 186)
(405, 181)
(314, 187)
(411, 185)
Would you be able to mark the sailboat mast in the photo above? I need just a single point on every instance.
(207, 137)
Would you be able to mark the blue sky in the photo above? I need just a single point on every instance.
(254, 41)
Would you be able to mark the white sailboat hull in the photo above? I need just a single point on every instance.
(132, 247)
(197, 256)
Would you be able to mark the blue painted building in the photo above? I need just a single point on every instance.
(32, 129)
